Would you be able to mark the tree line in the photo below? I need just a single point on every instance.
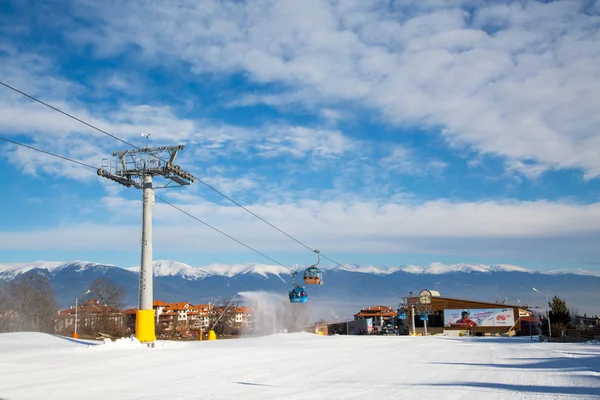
(28, 303)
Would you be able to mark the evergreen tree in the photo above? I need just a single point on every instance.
(560, 317)
(559, 312)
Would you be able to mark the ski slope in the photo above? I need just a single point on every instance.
(297, 366)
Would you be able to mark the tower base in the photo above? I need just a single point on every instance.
(145, 326)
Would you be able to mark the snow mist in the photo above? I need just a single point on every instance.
(273, 313)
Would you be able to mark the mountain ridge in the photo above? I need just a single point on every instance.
(176, 268)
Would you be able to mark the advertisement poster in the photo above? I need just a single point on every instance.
(483, 317)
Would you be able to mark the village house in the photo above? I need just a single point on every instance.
(179, 316)
(238, 317)
(203, 316)
(586, 322)
(184, 316)
(89, 315)
(159, 306)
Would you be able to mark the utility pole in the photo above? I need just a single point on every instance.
(547, 313)
(412, 314)
(137, 168)
(75, 334)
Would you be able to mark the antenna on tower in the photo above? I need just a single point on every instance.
(147, 135)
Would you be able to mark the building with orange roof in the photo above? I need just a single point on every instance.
(158, 307)
(380, 315)
(184, 316)
(88, 315)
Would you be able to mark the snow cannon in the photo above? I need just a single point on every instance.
(212, 335)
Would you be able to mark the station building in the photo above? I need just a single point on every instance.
(430, 313)
(435, 314)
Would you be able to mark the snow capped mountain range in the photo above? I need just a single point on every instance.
(437, 269)
(347, 287)
(174, 268)
(10, 270)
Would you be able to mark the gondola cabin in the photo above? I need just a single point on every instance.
(313, 276)
(298, 295)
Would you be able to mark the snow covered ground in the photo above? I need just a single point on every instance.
(297, 366)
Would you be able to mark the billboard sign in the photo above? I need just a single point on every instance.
(483, 317)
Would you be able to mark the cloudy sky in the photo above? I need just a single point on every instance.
(380, 132)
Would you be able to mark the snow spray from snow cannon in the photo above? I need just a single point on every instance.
(273, 313)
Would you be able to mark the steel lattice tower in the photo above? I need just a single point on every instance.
(137, 168)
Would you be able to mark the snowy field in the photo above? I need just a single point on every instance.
(297, 366)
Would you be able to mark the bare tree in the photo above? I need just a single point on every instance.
(28, 303)
(107, 292)
(5, 310)
(110, 297)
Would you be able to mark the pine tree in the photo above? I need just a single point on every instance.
(560, 317)
(559, 312)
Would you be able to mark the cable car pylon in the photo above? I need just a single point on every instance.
(137, 168)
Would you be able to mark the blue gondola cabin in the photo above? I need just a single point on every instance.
(298, 295)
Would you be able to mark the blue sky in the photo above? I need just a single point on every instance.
(455, 131)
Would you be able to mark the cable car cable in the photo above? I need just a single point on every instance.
(164, 201)
(221, 232)
(297, 295)
(138, 148)
(67, 114)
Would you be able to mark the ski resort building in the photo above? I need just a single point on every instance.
(435, 314)
(380, 315)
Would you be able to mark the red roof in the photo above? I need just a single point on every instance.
(170, 313)
(378, 308)
(376, 314)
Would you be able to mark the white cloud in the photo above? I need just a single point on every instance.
(205, 139)
(403, 160)
(301, 141)
(232, 186)
(531, 171)
(528, 89)
(332, 115)
(536, 229)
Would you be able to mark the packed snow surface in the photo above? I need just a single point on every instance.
(297, 366)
